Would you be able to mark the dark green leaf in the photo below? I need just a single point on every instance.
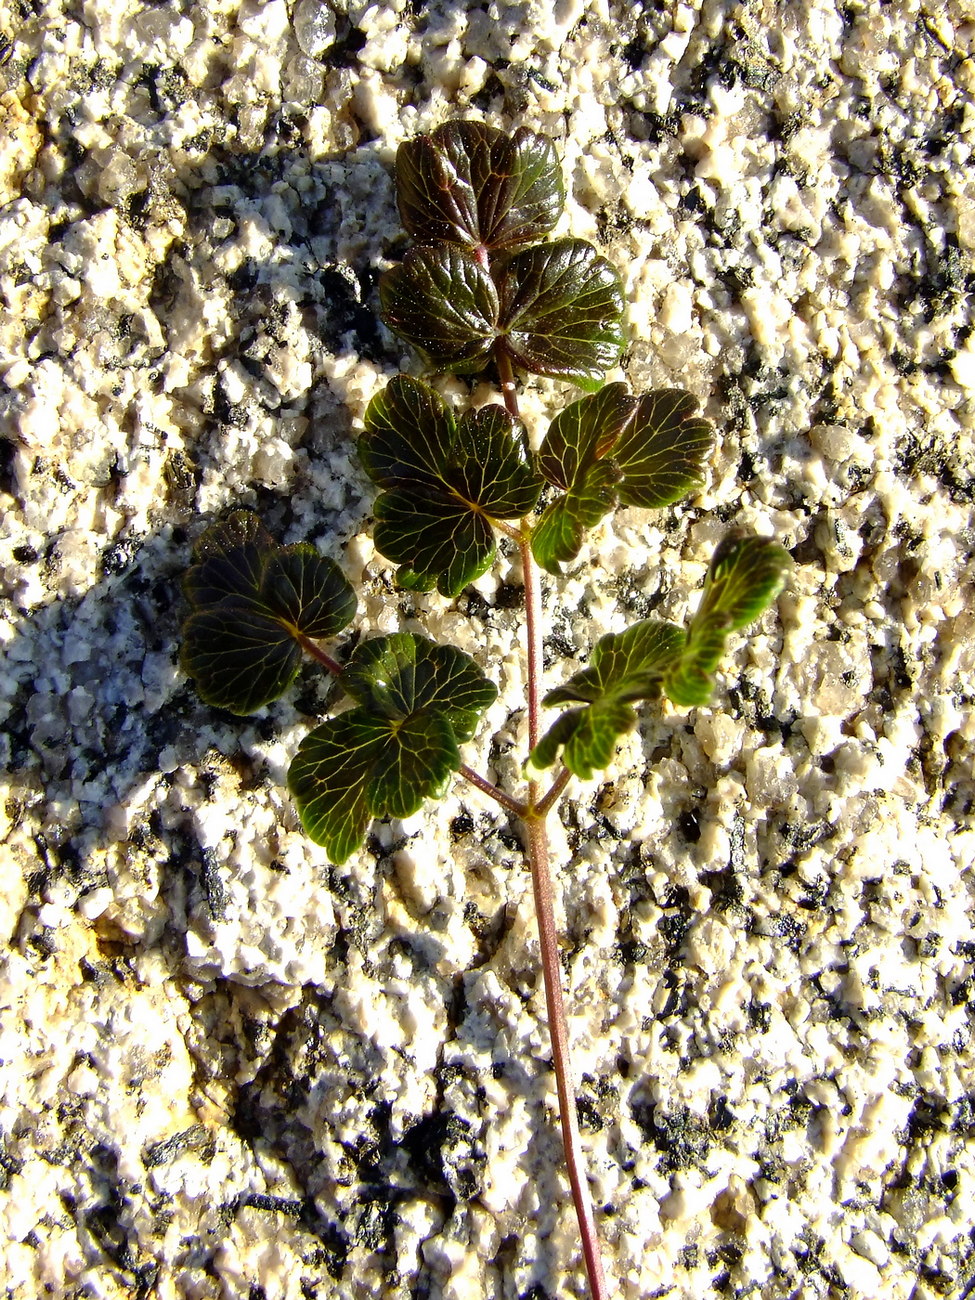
(435, 537)
(400, 675)
(583, 431)
(445, 303)
(470, 184)
(408, 425)
(662, 450)
(444, 483)
(252, 602)
(557, 537)
(415, 703)
(625, 667)
(745, 576)
(229, 559)
(562, 311)
(577, 436)
(307, 593)
(240, 656)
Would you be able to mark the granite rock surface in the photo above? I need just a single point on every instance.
(229, 1070)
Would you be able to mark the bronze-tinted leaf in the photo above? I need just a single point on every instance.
(471, 184)
(561, 311)
(444, 483)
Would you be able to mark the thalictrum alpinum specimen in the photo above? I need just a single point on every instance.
(482, 289)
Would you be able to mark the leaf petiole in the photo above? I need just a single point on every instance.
(487, 787)
(316, 652)
(553, 793)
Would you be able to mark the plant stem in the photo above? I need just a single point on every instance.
(487, 787)
(533, 612)
(551, 796)
(316, 652)
(559, 1036)
(534, 820)
(507, 377)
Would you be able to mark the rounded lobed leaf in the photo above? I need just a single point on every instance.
(582, 432)
(445, 483)
(252, 603)
(662, 450)
(443, 302)
(408, 426)
(355, 767)
(229, 559)
(435, 538)
(403, 674)
(415, 703)
(471, 184)
(558, 534)
(561, 311)
(239, 655)
(307, 593)
(491, 465)
(569, 458)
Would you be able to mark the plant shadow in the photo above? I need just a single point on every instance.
(110, 755)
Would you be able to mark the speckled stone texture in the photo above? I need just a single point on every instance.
(231, 1071)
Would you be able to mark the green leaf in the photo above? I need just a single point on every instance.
(629, 665)
(562, 311)
(229, 559)
(557, 308)
(444, 483)
(252, 602)
(625, 667)
(443, 302)
(584, 430)
(745, 576)
(471, 184)
(557, 536)
(662, 450)
(415, 703)
(577, 436)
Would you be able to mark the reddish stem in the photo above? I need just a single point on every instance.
(551, 795)
(316, 652)
(559, 1036)
(487, 787)
(534, 821)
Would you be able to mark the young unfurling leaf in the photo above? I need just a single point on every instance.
(416, 702)
(744, 577)
(470, 184)
(625, 667)
(252, 602)
(444, 483)
(652, 658)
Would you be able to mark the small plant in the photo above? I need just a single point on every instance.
(479, 289)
